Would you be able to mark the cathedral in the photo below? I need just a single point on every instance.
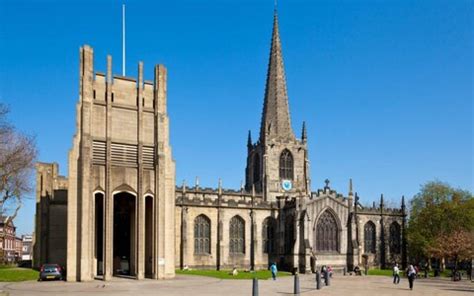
(120, 213)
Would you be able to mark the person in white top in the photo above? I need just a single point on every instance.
(396, 274)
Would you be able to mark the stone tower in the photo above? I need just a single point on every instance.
(277, 164)
(121, 177)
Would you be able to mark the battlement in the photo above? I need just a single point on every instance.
(215, 197)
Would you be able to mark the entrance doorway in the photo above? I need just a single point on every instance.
(124, 234)
(99, 233)
(148, 236)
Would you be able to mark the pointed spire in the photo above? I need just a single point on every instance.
(249, 140)
(303, 133)
(381, 201)
(403, 203)
(276, 114)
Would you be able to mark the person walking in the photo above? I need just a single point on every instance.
(396, 274)
(274, 270)
(411, 273)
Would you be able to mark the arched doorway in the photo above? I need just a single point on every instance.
(99, 233)
(124, 234)
(148, 236)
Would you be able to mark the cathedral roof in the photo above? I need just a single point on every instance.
(276, 115)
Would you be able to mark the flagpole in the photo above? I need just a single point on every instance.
(123, 39)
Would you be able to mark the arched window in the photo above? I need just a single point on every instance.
(237, 235)
(289, 233)
(202, 235)
(286, 165)
(369, 237)
(327, 233)
(395, 238)
(268, 235)
(256, 168)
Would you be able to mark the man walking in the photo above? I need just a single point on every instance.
(273, 269)
(396, 274)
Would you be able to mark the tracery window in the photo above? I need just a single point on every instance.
(286, 165)
(256, 168)
(369, 237)
(237, 235)
(268, 235)
(202, 235)
(395, 235)
(327, 233)
(289, 233)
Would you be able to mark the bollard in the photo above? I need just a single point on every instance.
(318, 280)
(254, 286)
(327, 278)
(296, 290)
(344, 270)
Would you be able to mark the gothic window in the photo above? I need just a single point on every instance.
(256, 168)
(268, 235)
(286, 165)
(202, 235)
(289, 233)
(395, 238)
(237, 235)
(327, 233)
(369, 237)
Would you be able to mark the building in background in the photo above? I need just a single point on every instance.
(27, 247)
(7, 240)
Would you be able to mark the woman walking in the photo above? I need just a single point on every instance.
(411, 273)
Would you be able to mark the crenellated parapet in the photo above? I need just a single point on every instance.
(219, 197)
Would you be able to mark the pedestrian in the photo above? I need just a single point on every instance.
(396, 274)
(411, 273)
(274, 270)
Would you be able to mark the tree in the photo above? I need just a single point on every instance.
(441, 223)
(17, 158)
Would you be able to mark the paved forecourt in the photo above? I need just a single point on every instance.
(197, 285)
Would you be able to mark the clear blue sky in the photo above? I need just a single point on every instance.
(385, 87)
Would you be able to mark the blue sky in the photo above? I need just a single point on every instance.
(385, 87)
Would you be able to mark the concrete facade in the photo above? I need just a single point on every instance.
(123, 214)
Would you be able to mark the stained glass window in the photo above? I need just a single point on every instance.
(237, 235)
(268, 235)
(369, 237)
(202, 235)
(327, 233)
(395, 238)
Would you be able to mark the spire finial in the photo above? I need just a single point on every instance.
(303, 132)
(327, 184)
(249, 140)
(381, 200)
(403, 202)
(350, 187)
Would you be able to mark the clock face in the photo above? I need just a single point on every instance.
(286, 185)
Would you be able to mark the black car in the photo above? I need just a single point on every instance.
(51, 272)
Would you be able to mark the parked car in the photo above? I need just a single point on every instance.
(51, 272)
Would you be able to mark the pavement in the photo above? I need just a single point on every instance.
(198, 285)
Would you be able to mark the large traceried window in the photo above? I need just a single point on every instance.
(395, 235)
(268, 235)
(286, 165)
(202, 235)
(237, 235)
(327, 233)
(369, 237)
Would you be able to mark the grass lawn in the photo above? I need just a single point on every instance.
(226, 274)
(16, 274)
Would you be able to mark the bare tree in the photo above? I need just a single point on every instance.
(17, 159)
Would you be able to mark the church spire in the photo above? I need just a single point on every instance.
(276, 115)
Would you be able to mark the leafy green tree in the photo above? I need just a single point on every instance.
(441, 223)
